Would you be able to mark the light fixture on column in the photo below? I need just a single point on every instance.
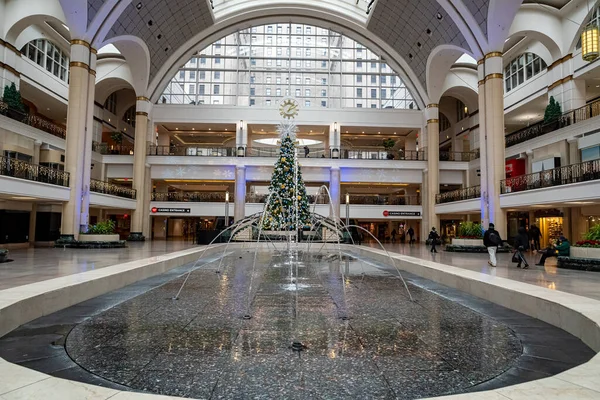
(241, 152)
(347, 208)
(335, 153)
(589, 43)
(226, 209)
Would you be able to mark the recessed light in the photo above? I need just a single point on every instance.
(379, 133)
(176, 129)
(311, 131)
(225, 129)
(209, 129)
(124, 129)
(109, 120)
(262, 130)
(139, 6)
(394, 133)
(23, 198)
(193, 129)
(439, 16)
(597, 85)
(363, 131)
(47, 109)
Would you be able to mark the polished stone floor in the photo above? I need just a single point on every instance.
(363, 337)
(40, 264)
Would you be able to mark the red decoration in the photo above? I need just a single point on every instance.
(154, 209)
(386, 213)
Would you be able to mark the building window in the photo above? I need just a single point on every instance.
(278, 92)
(358, 92)
(373, 78)
(252, 91)
(47, 55)
(129, 116)
(217, 74)
(182, 75)
(307, 92)
(202, 60)
(359, 78)
(268, 92)
(111, 103)
(252, 102)
(278, 80)
(307, 103)
(522, 68)
(297, 92)
(373, 93)
(323, 81)
(267, 102)
(373, 105)
(216, 89)
(192, 89)
(202, 75)
(383, 93)
(358, 105)
(359, 64)
(323, 104)
(323, 93)
(201, 89)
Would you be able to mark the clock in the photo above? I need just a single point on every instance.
(288, 108)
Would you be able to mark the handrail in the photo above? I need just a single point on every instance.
(33, 172)
(458, 155)
(33, 120)
(192, 197)
(274, 152)
(540, 128)
(191, 150)
(384, 200)
(97, 186)
(378, 154)
(582, 172)
(113, 149)
(468, 193)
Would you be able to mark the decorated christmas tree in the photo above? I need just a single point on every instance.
(281, 211)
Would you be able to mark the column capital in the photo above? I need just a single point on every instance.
(560, 61)
(573, 139)
(79, 64)
(142, 98)
(492, 55)
(560, 82)
(10, 69)
(433, 105)
(10, 47)
(433, 121)
(81, 43)
(240, 167)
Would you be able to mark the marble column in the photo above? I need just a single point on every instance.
(241, 139)
(574, 152)
(36, 152)
(432, 113)
(75, 139)
(334, 191)
(32, 222)
(146, 207)
(239, 205)
(143, 108)
(485, 216)
(334, 141)
(89, 136)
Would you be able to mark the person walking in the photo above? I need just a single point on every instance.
(393, 235)
(562, 248)
(536, 235)
(433, 239)
(306, 151)
(411, 235)
(521, 244)
(491, 240)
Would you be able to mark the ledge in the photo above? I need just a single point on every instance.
(577, 315)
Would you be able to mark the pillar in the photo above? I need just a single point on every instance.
(334, 141)
(241, 138)
(9, 55)
(432, 113)
(485, 217)
(89, 137)
(578, 226)
(334, 191)
(239, 205)
(36, 152)
(147, 190)
(32, 223)
(574, 152)
(143, 108)
(494, 157)
(77, 113)
(569, 92)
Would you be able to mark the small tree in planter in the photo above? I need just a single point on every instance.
(552, 114)
(12, 98)
(470, 230)
(116, 137)
(102, 228)
(388, 145)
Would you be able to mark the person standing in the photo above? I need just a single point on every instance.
(393, 235)
(411, 235)
(536, 235)
(433, 239)
(306, 151)
(491, 240)
(521, 244)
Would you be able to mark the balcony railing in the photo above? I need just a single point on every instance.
(33, 172)
(114, 149)
(586, 171)
(193, 151)
(192, 197)
(34, 121)
(540, 128)
(472, 192)
(391, 200)
(458, 155)
(274, 152)
(376, 154)
(262, 198)
(97, 186)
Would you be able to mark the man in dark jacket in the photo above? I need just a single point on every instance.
(521, 244)
(491, 240)
(561, 248)
(536, 235)
(433, 238)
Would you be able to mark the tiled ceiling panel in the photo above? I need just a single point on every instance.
(479, 10)
(163, 25)
(403, 24)
(93, 7)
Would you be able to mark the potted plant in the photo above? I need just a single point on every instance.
(12, 98)
(590, 246)
(388, 145)
(117, 138)
(103, 231)
(552, 116)
(3, 255)
(469, 234)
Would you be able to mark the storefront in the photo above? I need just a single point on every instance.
(550, 223)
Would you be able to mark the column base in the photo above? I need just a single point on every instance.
(65, 240)
(136, 237)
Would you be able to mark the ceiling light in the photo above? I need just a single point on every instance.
(311, 131)
(379, 133)
(139, 6)
(47, 109)
(225, 129)
(363, 131)
(193, 129)
(23, 198)
(394, 133)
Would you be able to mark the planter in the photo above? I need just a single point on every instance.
(585, 252)
(85, 238)
(3, 255)
(467, 242)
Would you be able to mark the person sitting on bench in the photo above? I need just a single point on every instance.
(561, 248)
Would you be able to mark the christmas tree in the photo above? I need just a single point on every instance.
(286, 196)
(12, 97)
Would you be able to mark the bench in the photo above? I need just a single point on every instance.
(580, 264)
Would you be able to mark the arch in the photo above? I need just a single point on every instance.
(461, 83)
(547, 29)
(439, 63)
(536, 47)
(33, 32)
(572, 33)
(137, 55)
(467, 25)
(501, 14)
(76, 16)
(112, 75)
(295, 14)
(19, 15)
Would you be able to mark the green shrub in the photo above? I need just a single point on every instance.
(593, 233)
(470, 230)
(102, 228)
(553, 111)
(12, 97)
(389, 144)
(117, 137)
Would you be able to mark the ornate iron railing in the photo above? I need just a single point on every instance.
(376, 154)
(114, 149)
(262, 198)
(34, 121)
(192, 197)
(586, 171)
(193, 151)
(458, 155)
(391, 200)
(274, 152)
(472, 192)
(33, 172)
(97, 186)
(540, 128)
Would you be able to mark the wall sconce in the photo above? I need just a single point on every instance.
(589, 43)
(335, 126)
(227, 197)
(347, 198)
(241, 152)
(335, 153)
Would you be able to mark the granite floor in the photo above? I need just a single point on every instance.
(40, 264)
(362, 336)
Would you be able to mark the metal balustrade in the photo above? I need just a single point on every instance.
(191, 197)
(352, 153)
(472, 192)
(193, 151)
(458, 155)
(540, 128)
(33, 172)
(583, 172)
(97, 186)
(383, 200)
(113, 149)
(33, 120)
